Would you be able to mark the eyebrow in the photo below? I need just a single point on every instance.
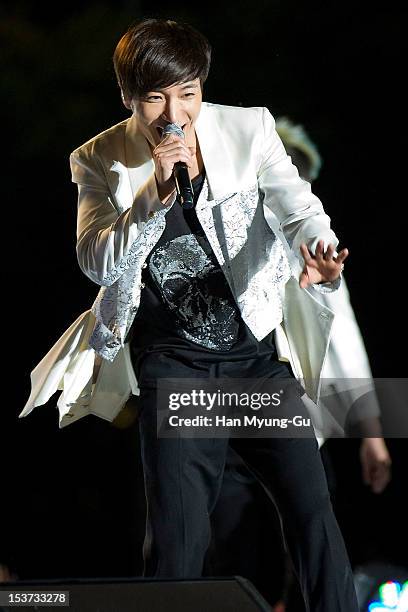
(184, 86)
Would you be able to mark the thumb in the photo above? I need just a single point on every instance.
(304, 280)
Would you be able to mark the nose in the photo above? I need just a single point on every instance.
(171, 112)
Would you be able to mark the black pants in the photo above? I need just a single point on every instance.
(183, 477)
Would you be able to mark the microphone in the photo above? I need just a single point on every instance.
(185, 193)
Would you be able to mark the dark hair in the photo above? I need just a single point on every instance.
(158, 53)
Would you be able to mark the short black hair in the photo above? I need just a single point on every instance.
(157, 53)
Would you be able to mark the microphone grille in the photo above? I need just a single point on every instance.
(173, 128)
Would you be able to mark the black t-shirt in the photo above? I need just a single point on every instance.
(187, 315)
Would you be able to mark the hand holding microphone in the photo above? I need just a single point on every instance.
(172, 159)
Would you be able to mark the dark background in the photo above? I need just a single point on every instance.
(336, 67)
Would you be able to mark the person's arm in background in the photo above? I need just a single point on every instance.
(347, 357)
(347, 369)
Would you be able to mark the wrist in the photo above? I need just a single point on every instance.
(165, 190)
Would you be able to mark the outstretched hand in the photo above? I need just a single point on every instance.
(321, 267)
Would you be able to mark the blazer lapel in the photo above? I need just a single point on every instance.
(215, 153)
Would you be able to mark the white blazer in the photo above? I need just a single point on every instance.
(120, 219)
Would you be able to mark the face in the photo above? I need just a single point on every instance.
(176, 104)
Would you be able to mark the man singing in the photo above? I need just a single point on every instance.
(208, 291)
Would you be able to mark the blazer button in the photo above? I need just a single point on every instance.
(142, 285)
(144, 265)
(134, 309)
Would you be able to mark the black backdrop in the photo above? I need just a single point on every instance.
(336, 67)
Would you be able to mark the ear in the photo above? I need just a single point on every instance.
(126, 102)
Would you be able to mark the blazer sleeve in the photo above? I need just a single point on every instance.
(299, 212)
(105, 237)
